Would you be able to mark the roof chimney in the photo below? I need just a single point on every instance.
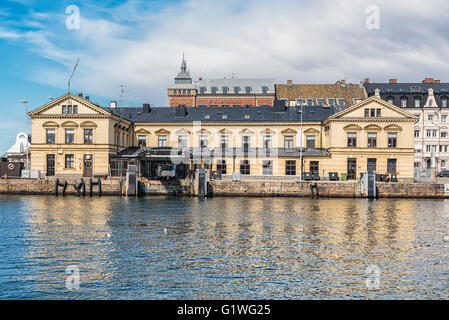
(87, 98)
(289, 83)
(393, 81)
(366, 80)
(438, 81)
(377, 93)
(113, 104)
(80, 94)
(428, 80)
(146, 108)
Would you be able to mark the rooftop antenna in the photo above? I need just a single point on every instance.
(122, 91)
(74, 68)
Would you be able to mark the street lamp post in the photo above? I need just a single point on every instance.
(300, 149)
(28, 132)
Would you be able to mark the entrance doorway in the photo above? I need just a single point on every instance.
(371, 164)
(352, 169)
(87, 169)
(50, 165)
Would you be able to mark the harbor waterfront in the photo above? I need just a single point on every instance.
(223, 247)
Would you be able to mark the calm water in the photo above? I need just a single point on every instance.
(223, 248)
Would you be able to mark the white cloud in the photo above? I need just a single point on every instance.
(320, 41)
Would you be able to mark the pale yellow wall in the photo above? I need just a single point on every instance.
(87, 118)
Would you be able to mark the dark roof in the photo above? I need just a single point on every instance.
(224, 114)
(408, 91)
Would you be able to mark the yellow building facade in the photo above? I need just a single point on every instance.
(259, 141)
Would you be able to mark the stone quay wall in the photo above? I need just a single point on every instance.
(331, 189)
(227, 187)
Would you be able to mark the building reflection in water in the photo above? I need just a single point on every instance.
(226, 247)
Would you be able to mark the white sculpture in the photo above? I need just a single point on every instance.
(21, 146)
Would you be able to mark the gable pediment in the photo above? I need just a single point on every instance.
(372, 127)
(311, 130)
(388, 110)
(69, 124)
(203, 131)
(182, 131)
(50, 124)
(393, 127)
(88, 124)
(162, 131)
(352, 127)
(289, 131)
(267, 131)
(246, 131)
(54, 107)
(143, 131)
(225, 131)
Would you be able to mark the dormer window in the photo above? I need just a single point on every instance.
(403, 102)
(214, 90)
(390, 100)
(309, 102)
(444, 102)
(417, 103)
(248, 89)
(202, 90)
(264, 89)
(320, 102)
(237, 89)
(299, 102)
(331, 102)
(225, 90)
(341, 102)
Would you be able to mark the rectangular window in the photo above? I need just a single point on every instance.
(203, 141)
(428, 133)
(290, 167)
(331, 102)
(224, 142)
(88, 136)
(248, 89)
(315, 167)
(202, 90)
(310, 142)
(320, 102)
(69, 136)
(392, 140)
(309, 102)
(378, 113)
(417, 103)
(299, 102)
(417, 133)
(267, 167)
(430, 117)
(245, 143)
(366, 113)
(221, 166)
(341, 103)
(434, 133)
(403, 103)
(245, 167)
(443, 118)
(69, 109)
(288, 142)
(443, 134)
(142, 141)
(391, 166)
(75, 109)
(264, 89)
(352, 140)
(64, 109)
(372, 113)
(444, 103)
(372, 140)
(162, 141)
(69, 161)
(51, 134)
(182, 142)
(267, 142)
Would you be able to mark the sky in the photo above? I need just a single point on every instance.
(140, 43)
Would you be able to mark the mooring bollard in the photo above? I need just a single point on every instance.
(92, 184)
(57, 185)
